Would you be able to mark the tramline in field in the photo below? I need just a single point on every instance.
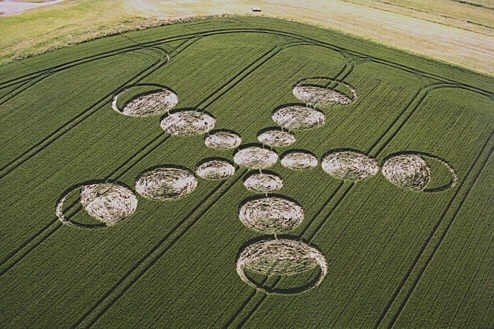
(244, 172)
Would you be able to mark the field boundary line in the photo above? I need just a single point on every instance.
(312, 40)
(437, 233)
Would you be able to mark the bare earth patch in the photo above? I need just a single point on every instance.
(297, 160)
(166, 183)
(284, 257)
(223, 140)
(298, 117)
(276, 138)
(408, 171)
(349, 165)
(187, 123)
(255, 157)
(263, 182)
(271, 215)
(215, 169)
(147, 104)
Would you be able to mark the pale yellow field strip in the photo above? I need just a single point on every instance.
(437, 29)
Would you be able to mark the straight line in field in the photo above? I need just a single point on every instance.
(434, 239)
(152, 256)
(82, 116)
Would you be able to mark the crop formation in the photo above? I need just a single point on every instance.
(244, 173)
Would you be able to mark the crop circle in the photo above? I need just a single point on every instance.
(166, 183)
(215, 169)
(407, 171)
(349, 165)
(298, 117)
(271, 214)
(187, 123)
(223, 140)
(276, 138)
(255, 157)
(108, 203)
(297, 160)
(150, 100)
(323, 92)
(263, 182)
(283, 257)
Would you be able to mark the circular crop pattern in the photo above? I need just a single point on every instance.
(408, 171)
(298, 117)
(166, 183)
(255, 157)
(152, 100)
(349, 165)
(322, 92)
(276, 138)
(298, 160)
(215, 169)
(223, 140)
(108, 203)
(271, 214)
(284, 257)
(187, 123)
(263, 182)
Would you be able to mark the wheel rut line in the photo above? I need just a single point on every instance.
(431, 235)
(401, 115)
(77, 120)
(346, 70)
(153, 256)
(21, 88)
(19, 250)
(328, 45)
(42, 235)
(442, 235)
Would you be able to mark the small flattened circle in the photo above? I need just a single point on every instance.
(263, 182)
(187, 123)
(255, 157)
(215, 169)
(166, 183)
(272, 214)
(298, 117)
(349, 165)
(297, 160)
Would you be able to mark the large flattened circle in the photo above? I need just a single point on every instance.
(150, 100)
(215, 169)
(187, 123)
(276, 138)
(223, 140)
(283, 257)
(298, 117)
(298, 160)
(407, 171)
(255, 157)
(263, 182)
(323, 92)
(271, 214)
(166, 183)
(349, 165)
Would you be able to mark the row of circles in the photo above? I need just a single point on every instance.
(110, 203)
